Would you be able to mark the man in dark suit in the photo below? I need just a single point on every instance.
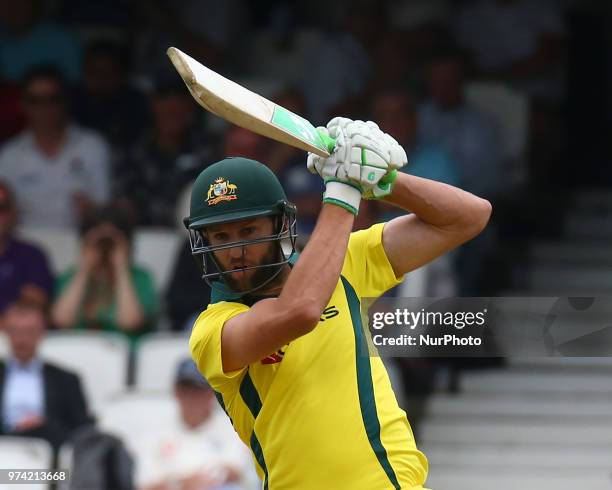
(37, 399)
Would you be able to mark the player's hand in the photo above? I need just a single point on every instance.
(358, 157)
(378, 149)
(340, 190)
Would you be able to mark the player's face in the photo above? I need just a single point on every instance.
(245, 256)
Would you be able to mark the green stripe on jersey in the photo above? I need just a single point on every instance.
(249, 394)
(257, 451)
(366, 387)
(251, 399)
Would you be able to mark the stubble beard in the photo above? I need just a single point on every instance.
(260, 275)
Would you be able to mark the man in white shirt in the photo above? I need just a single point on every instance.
(58, 170)
(199, 450)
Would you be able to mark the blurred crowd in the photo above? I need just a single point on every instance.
(99, 137)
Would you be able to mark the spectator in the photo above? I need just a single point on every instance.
(159, 166)
(467, 134)
(27, 41)
(205, 29)
(37, 399)
(24, 272)
(105, 101)
(335, 81)
(242, 142)
(58, 170)
(401, 65)
(280, 51)
(515, 40)
(395, 111)
(187, 294)
(472, 141)
(198, 451)
(522, 43)
(105, 291)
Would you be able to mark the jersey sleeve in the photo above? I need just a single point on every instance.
(366, 265)
(205, 345)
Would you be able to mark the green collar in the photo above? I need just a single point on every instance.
(221, 292)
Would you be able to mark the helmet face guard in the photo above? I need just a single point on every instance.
(232, 190)
(284, 236)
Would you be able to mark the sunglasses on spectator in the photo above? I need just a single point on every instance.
(48, 99)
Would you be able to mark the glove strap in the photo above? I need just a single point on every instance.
(342, 194)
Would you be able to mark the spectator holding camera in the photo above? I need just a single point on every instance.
(105, 291)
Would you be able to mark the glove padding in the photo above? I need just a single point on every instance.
(339, 189)
(377, 147)
(358, 157)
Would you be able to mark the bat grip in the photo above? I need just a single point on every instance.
(330, 143)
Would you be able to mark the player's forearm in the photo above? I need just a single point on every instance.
(315, 275)
(439, 204)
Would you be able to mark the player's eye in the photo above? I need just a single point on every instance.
(248, 230)
(220, 237)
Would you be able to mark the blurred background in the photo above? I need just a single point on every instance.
(99, 141)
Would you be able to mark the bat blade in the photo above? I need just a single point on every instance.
(246, 109)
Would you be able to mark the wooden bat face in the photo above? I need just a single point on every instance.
(247, 109)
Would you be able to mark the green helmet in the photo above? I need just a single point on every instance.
(234, 189)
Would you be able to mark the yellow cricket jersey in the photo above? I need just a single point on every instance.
(318, 414)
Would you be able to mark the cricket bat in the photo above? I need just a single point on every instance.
(247, 109)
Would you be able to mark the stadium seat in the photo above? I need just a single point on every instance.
(130, 414)
(61, 246)
(26, 453)
(156, 359)
(511, 480)
(536, 383)
(156, 250)
(494, 405)
(101, 360)
(525, 432)
(519, 457)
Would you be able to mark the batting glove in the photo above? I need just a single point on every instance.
(379, 151)
(339, 189)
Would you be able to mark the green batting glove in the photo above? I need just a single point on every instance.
(382, 189)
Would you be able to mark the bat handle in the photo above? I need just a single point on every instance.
(330, 143)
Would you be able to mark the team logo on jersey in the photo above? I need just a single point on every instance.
(221, 190)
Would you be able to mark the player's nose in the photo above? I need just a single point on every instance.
(237, 253)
